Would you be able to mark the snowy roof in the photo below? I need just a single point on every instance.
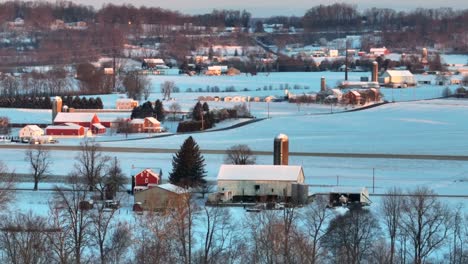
(33, 127)
(66, 126)
(355, 93)
(155, 61)
(125, 100)
(259, 172)
(404, 73)
(74, 117)
(172, 188)
(137, 121)
(99, 126)
(152, 120)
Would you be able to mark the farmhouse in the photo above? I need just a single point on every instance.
(86, 120)
(397, 78)
(127, 104)
(30, 131)
(379, 51)
(146, 125)
(259, 182)
(67, 129)
(161, 197)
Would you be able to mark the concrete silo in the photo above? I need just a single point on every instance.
(281, 150)
(56, 107)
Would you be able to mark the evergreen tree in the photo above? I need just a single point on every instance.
(99, 104)
(188, 166)
(159, 110)
(197, 112)
(206, 108)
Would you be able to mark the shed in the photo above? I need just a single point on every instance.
(161, 197)
(30, 131)
(259, 182)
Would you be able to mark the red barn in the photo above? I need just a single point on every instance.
(67, 129)
(82, 119)
(98, 129)
(147, 177)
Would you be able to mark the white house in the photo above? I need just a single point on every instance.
(30, 131)
(397, 78)
(259, 182)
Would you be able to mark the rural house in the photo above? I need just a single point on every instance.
(126, 104)
(259, 183)
(161, 197)
(30, 131)
(146, 125)
(352, 97)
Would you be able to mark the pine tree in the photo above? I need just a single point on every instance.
(188, 166)
(99, 104)
(159, 110)
(197, 112)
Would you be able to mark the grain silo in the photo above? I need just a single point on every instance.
(56, 107)
(375, 71)
(281, 150)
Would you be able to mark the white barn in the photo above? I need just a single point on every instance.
(31, 131)
(259, 182)
(398, 78)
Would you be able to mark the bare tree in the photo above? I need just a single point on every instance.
(101, 222)
(315, 219)
(91, 164)
(174, 108)
(39, 160)
(217, 235)
(75, 219)
(6, 184)
(135, 84)
(23, 239)
(350, 237)
(120, 242)
(60, 244)
(239, 154)
(392, 204)
(114, 180)
(425, 221)
(167, 88)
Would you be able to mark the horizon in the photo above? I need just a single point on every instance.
(270, 8)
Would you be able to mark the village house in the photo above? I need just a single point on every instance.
(87, 120)
(30, 131)
(66, 130)
(160, 197)
(397, 78)
(146, 125)
(379, 51)
(252, 183)
(127, 104)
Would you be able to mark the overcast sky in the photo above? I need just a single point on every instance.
(265, 8)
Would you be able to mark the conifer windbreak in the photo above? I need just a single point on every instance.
(188, 165)
(159, 110)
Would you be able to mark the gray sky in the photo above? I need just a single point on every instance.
(265, 8)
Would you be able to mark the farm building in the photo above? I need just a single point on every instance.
(379, 51)
(30, 131)
(83, 119)
(259, 182)
(146, 178)
(146, 125)
(352, 97)
(67, 129)
(161, 197)
(217, 70)
(397, 78)
(369, 95)
(340, 196)
(98, 129)
(127, 104)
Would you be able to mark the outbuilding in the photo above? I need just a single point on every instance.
(352, 97)
(397, 78)
(83, 119)
(259, 182)
(147, 177)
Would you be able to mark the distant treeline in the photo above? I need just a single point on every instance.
(45, 102)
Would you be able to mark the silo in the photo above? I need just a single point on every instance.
(375, 71)
(281, 150)
(323, 84)
(56, 107)
(424, 53)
